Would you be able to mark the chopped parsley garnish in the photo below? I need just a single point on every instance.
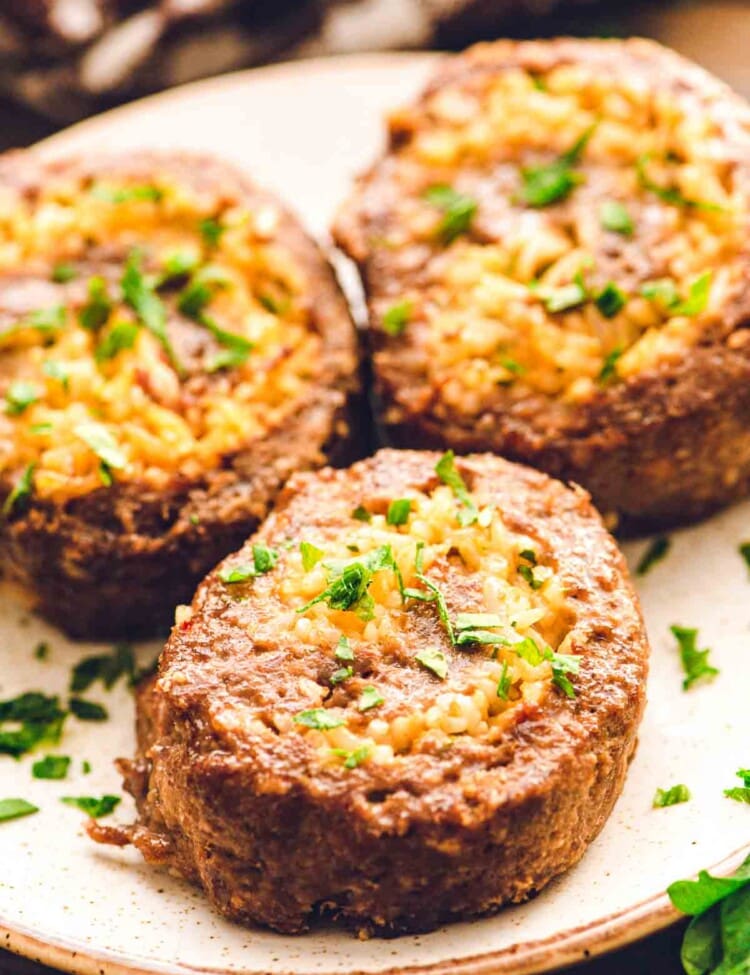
(349, 582)
(264, 559)
(562, 665)
(200, 290)
(121, 336)
(564, 298)
(527, 567)
(433, 594)
(318, 718)
(434, 660)
(513, 367)
(46, 320)
(718, 938)
(107, 668)
(553, 182)
(87, 710)
(41, 651)
(470, 636)
(86, 767)
(477, 628)
(614, 216)
(671, 797)
(33, 718)
(236, 348)
(458, 211)
(669, 194)
(56, 370)
(503, 685)
(744, 550)
(15, 808)
(195, 297)
(526, 572)
(178, 264)
(63, 272)
(610, 300)
(343, 649)
(51, 767)
(398, 511)
(740, 793)
(655, 552)
(96, 808)
(21, 490)
(275, 304)
(98, 308)
(369, 698)
(128, 194)
(20, 396)
(100, 440)
(448, 473)
(609, 369)
(361, 513)
(311, 555)
(140, 295)
(354, 758)
(211, 230)
(662, 290)
(396, 318)
(697, 298)
(342, 674)
(694, 661)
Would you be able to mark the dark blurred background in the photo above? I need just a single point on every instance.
(62, 60)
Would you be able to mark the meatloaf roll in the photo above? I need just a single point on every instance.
(172, 346)
(412, 696)
(556, 250)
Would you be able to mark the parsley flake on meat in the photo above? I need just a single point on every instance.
(448, 473)
(264, 559)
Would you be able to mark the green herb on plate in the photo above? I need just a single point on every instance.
(51, 767)
(93, 807)
(671, 797)
(717, 941)
(15, 809)
(695, 662)
(656, 551)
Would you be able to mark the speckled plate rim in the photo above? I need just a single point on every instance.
(566, 948)
(524, 958)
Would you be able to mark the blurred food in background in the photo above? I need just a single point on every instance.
(69, 58)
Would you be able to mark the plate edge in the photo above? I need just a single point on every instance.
(532, 958)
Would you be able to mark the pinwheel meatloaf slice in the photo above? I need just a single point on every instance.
(412, 696)
(172, 347)
(556, 250)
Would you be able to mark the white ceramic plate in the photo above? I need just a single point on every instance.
(304, 130)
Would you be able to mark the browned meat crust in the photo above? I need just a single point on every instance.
(667, 444)
(115, 561)
(278, 838)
